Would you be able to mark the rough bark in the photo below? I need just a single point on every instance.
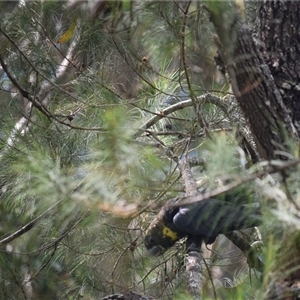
(251, 8)
(278, 30)
(251, 81)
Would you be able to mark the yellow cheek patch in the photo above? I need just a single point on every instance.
(168, 232)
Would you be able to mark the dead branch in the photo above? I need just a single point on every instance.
(194, 258)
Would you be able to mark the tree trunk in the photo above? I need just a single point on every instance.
(278, 28)
(252, 82)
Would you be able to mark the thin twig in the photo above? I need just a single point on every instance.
(60, 71)
(29, 225)
(37, 104)
(22, 91)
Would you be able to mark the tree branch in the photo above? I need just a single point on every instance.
(194, 258)
(208, 97)
(186, 173)
(194, 271)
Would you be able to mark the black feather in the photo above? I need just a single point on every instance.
(210, 217)
(199, 221)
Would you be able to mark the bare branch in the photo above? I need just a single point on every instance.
(194, 273)
(186, 172)
(206, 98)
(193, 258)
